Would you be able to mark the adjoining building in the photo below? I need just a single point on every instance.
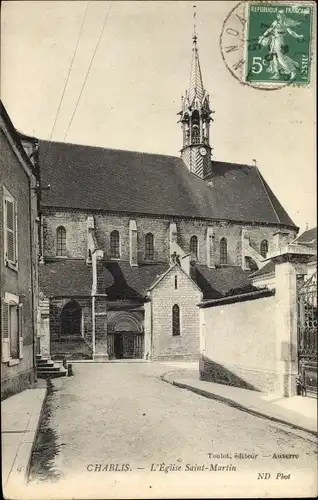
(18, 259)
(134, 241)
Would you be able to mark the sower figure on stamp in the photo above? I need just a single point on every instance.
(274, 38)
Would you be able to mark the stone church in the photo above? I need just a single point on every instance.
(133, 242)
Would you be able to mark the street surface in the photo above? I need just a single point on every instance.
(123, 413)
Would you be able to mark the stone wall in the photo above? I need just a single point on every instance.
(17, 376)
(76, 239)
(56, 307)
(238, 344)
(164, 296)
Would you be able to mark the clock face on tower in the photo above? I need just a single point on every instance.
(202, 151)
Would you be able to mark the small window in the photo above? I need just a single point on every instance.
(149, 250)
(223, 251)
(194, 245)
(61, 241)
(264, 248)
(12, 329)
(114, 245)
(10, 228)
(175, 320)
(176, 282)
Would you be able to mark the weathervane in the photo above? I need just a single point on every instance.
(194, 26)
(255, 162)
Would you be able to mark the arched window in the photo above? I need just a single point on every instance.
(264, 248)
(175, 320)
(194, 245)
(71, 317)
(114, 245)
(195, 128)
(60, 241)
(223, 251)
(149, 250)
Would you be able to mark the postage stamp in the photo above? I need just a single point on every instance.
(278, 42)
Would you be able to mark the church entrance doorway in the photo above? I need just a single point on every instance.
(125, 338)
(128, 345)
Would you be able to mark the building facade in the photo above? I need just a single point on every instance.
(134, 241)
(18, 261)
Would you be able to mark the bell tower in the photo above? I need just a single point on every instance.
(195, 118)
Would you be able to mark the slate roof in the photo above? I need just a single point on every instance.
(122, 282)
(221, 282)
(94, 178)
(65, 278)
(125, 282)
(269, 268)
(308, 237)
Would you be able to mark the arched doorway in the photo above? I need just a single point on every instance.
(71, 318)
(125, 336)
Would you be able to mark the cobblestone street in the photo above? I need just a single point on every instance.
(123, 413)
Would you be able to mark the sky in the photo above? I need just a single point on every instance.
(133, 89)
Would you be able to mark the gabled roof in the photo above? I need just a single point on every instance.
(65, 278)
(7, 126)
(94, 178)
(308, 237)
(171, 269)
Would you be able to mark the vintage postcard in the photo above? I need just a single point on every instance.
(158, 253)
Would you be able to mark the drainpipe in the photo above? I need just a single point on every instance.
(96, 254)
(33, 270)
(151, 333)
(94, 287)
(93, 324)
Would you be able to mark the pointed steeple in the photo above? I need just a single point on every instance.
(195, 88)
(195, 118)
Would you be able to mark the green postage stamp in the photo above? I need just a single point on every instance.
(278, 45)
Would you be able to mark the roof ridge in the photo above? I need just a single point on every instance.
(141, 152)
(108, 149)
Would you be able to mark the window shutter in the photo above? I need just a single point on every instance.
(21, 331)
(10, 226)
(5, 331)
(15, 234)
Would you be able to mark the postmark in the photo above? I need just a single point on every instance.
(267, 45)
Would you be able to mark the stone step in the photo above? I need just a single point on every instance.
(60, 373)
(48, 369)
(44, 362)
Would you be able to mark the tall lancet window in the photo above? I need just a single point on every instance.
(223, 251)
(149, 250)
(194, 245)
(61, 241)
(264, 248)
(175, 320)
(195, 128)
(114, 245)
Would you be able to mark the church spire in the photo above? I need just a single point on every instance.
(195, 118)
(195, 88)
